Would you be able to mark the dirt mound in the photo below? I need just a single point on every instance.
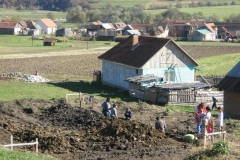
(62, 128)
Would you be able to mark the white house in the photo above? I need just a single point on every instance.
(141, 55)
(47, 25)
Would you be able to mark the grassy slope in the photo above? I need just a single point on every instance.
(220, 11)
(17, 155)
(30, 14)
(218, 65)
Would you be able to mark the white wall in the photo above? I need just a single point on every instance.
(114, 74)
(17, 29)
(45, 28)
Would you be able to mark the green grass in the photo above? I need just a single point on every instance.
(180, 108)
(218, 65)
(122, 3)
(16, 44)
(18, 89)
(220, 11)
(30, 14)
(18, 155)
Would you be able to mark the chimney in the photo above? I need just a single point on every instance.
(134, 40)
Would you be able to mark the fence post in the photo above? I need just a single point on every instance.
(204, 131)
(36, 146)
(12, 142)
(66, 97)
(80, 99)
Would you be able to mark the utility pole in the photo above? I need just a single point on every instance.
(32, 39)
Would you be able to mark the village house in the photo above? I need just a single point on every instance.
(228, 29)
(12, 28)
(143, 28)
(47, 25)
(206, 32)
(231, 87)
(141, 55)
(176, 27)
(128, 30)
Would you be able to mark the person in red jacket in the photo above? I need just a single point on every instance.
(199, 112)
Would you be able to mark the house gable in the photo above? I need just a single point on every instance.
(139, 54)
(231, 82)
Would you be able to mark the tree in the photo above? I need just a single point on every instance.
(213, 18)
(50, 15)
(76, 15)
(233, 3)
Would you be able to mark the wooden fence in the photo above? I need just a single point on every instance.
(182, 96)
(195, 97)
(213, 80)
(21, 144)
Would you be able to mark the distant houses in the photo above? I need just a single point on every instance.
(194, 30)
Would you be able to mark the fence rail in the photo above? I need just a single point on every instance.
(21, 144)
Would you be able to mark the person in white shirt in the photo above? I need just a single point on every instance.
(220, 118)
(208, 120)
(113, 110)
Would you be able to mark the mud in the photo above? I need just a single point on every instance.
(73, 132)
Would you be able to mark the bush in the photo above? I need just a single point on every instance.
(220, 147)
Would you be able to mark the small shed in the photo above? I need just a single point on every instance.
(231, 87)
(138, 84)
(49, 42)
(152, 88)
(64, 32)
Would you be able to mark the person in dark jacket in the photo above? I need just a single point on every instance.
(106, 107)
(128, 113)
(214, 103)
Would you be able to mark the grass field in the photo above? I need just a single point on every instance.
(17, 155)
(220, 11)
(218, 65)
(147, 3)
(14, 44)
(30, 14)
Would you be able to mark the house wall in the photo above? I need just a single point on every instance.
(109, 76)
(17, 29)
(45, 28)
(196, 36)
(231, 104)
(170, 58)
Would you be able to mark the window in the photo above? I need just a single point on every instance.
(136, 71)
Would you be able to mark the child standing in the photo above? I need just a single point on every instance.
(208, 120)
(220, 119)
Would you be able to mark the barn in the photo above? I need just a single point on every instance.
(142, 55)
(231, 87)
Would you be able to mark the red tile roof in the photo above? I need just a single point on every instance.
(143, 51)
(8, 24)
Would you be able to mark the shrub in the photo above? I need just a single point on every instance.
(220, 147)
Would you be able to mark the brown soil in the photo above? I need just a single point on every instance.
(69, 132)
(86, 63)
